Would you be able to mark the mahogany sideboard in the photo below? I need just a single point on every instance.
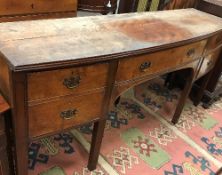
(12, 10)
(62, 73)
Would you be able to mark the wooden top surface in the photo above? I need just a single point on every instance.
(216, 2)
(48, 43)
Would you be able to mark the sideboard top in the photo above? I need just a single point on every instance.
(43, 43)
(216, 2)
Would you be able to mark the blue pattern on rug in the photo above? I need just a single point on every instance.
(211, 147)
(133, 108)
(65, 141)
(177, 170)
(35, 156)
(204, 164)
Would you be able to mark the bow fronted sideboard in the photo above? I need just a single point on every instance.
(63, 73)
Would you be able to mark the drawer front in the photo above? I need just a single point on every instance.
(139, 66)
(214, 42)
(43, 85)
(16, 7)
(64, 112)
(208, 62)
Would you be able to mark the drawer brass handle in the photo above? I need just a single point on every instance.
(144, 66)
(190, 52)
(108, 5)
(69, 114)
(72, 82)
(209, 63)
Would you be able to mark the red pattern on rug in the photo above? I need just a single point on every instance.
(203, 126)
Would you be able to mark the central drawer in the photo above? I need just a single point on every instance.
(75, 81)
(64, 113)
(136, 67)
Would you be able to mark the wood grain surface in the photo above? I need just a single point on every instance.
(42, 43)
(216, 2)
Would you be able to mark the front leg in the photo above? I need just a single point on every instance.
(97, 137)
(99, 126)
(20, 122)
(183, 97)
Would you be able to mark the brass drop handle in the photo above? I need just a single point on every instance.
(108, 5)
(209, 63)
(145, 66)
(72, 82)
(191, 52)
(69, 114)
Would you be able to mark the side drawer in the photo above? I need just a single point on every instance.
(132, 68)
(208, 62)
(63, 113)
(214, 42)
(48, 84)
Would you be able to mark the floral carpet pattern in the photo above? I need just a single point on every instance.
(139, 139)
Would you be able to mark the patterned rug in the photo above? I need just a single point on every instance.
(139, 139)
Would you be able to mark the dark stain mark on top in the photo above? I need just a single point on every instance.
(150, 30)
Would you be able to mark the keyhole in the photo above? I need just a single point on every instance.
(32, 6)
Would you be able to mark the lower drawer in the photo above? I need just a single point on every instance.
(64, 113)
